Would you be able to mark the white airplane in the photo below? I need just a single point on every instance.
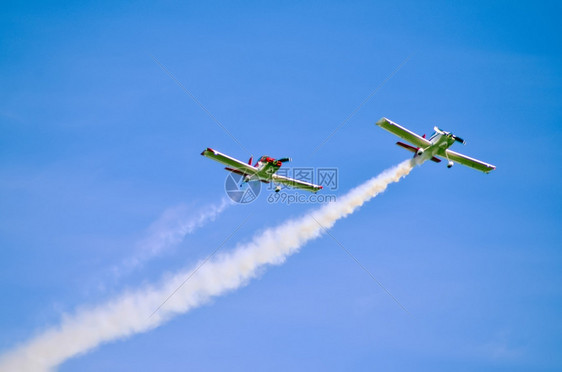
(263, 171)
(437, 145)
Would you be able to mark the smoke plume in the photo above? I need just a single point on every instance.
(168, 231)
(130, 313)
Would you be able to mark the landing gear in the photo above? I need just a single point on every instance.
(450, 163)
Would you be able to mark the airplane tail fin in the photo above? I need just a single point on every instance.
(414, 150)
(250, 161)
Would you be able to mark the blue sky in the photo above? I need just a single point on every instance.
(98, 142)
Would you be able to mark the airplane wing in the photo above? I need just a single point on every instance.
(468, 161)
(295, 183)
(403, 133)
(234, 164)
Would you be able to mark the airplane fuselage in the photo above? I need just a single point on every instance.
(267, 166)
(439, 141)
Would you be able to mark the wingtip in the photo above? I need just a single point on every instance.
(209, 150)
(490, 168)
(381, 121)
(316, 188)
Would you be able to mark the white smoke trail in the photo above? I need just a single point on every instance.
(129, 313)
(169, 230)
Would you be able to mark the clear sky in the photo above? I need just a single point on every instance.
(98, 144)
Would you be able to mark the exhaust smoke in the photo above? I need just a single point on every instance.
(130, 313)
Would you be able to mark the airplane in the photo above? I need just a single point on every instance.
(436, 146)
(264, 170)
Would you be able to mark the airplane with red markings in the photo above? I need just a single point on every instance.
(264, 170)
(436, 146)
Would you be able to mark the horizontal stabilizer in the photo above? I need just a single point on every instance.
(414, 149)
(407, 147)
(235, 171)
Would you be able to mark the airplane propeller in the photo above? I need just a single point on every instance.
(284, 160)
(458, 139)
(441, 131)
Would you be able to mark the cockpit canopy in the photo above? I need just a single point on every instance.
(433, 135)
(270, 160)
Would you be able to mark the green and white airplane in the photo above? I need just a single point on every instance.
(264, 170)
(436, 146)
